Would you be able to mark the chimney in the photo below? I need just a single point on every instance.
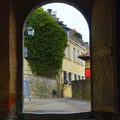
(49, 11)
(57, 19)
(61, 22)
(55, 13)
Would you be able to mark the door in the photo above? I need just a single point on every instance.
(102, 48)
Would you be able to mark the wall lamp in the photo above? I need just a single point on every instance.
(30, 31)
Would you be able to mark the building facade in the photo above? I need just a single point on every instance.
(73, 68)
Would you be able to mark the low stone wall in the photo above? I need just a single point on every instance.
(40, 86)
(81, 89)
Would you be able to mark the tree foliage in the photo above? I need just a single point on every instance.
(46, 47)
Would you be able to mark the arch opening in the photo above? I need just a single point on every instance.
(44, 90)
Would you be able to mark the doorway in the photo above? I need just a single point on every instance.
(74, 86)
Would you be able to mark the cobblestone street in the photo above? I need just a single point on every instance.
(56, 105)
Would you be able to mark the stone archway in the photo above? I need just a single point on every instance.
(15, 13)
(24, 17)
(97, 12)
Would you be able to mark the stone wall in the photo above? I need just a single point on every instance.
(40, 86)
(81, 89)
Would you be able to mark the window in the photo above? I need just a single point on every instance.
(68, 33)
(69, 76)
(68, 52)
(75, 77)
(82, 77)
(65, 52)
(78, 53)
(78, 77)
(65, 77)
(74, 54)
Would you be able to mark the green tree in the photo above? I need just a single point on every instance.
(46, 47)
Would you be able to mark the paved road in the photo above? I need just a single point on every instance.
(56, 105)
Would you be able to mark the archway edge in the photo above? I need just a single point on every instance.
(24, 8)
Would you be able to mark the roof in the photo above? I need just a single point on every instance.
(85, 56)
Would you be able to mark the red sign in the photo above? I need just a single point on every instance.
(87, 72)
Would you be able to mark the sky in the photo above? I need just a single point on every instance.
(71, 17)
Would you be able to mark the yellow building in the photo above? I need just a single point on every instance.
(73, 68)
